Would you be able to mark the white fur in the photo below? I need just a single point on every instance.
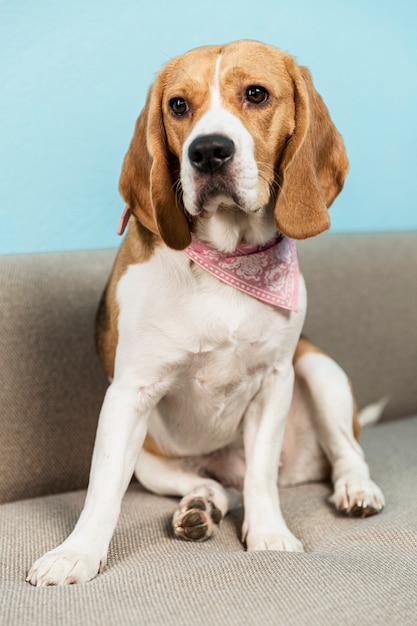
(243, 171)
(371, 414)
(207, 372)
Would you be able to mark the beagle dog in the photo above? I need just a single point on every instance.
(214, 397)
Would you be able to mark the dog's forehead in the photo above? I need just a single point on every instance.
(248, 61)
(252, 63)
(196, 67)
(252, 56)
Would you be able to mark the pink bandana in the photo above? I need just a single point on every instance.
(269, 273)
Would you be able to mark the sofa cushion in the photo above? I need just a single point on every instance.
(354, 571)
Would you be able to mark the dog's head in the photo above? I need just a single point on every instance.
(237, 125)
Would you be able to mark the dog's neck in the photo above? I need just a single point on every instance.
(228, 226)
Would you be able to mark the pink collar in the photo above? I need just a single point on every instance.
(269, 273)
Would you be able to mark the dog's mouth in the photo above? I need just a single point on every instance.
(216, 194)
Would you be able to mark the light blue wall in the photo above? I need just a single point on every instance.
(74, 73)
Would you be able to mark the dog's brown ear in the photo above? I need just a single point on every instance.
(145, 182)
(313, 165)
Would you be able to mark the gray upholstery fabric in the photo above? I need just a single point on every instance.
(52, 383)
(355, 571)
(362, 309)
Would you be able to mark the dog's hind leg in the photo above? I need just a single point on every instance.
(204, 501)
(332, 410)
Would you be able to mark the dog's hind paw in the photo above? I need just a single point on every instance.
(358, 497)
(196, 518)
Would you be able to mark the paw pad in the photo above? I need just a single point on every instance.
(196, 518)
(363, 510)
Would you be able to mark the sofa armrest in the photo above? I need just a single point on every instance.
(52, 383)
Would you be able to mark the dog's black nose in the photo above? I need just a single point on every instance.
(208, 153)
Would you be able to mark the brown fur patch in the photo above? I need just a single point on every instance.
(304, 346)
(137, 247)
(150, 446)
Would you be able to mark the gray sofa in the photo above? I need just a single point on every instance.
(362, 309)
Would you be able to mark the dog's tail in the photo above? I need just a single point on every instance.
(372, 413)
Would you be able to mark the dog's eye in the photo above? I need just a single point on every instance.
(178, 106)
(256, 94)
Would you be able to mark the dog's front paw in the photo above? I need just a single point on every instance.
(196, 518)
(282, 541)
(61, 567)
(358, 497)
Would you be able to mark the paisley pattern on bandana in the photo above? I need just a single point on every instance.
(269, 273)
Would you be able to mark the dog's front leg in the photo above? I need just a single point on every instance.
(264, 527)
(120, 435)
